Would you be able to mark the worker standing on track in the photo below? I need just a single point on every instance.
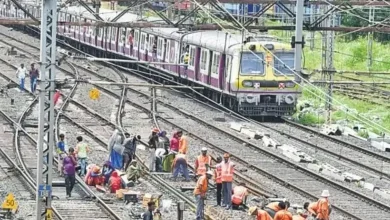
(160, 154)
(163, 140)
(69, 166)
(260, 214)
(61, 154)
(180, 163)
(82, 150)
(227, 181)
(202, 163)
(218, 179)
(115, 148)
(300, 215)
(183, 143)
(130, 145)
(21, 73)
(200, 193)
(153, 143)
(240, 194)
(283, 214)
(175, 142)
(320, 209)
(34, 74)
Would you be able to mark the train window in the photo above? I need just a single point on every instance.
(100, 32)
(108, 33)
(252, 63)
(150, 43)
(136, 39)
(167, 50)
(143, 42)
(285, 64)
(160, 47)
(114, 33)
(215, 63)
(192, 56)
(204, 56)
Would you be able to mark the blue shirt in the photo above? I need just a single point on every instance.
(61, 146)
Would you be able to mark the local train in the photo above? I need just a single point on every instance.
(242, 75)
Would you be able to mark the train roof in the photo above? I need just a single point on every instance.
(212, 40)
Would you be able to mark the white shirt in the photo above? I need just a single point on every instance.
(21, 72)
(160, 152)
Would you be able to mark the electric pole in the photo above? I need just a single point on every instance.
(46, 108)
(298, 40)
(370, 38)
(312, 33)
(329, 68)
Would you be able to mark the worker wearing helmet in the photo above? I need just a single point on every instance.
(320, 209)
(227, 181)
(202, 163)
(218, 179)
(260, 214)
(200, 193)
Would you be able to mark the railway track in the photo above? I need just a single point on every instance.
(300, 189)
(64, 208)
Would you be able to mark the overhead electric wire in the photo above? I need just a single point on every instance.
(368, 122)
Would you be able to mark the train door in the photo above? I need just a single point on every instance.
(228, 72)
(222, 67)
(215, 64)
(143, 47)
(166, 57)
(204, 65)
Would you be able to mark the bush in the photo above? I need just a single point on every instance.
(311, 119)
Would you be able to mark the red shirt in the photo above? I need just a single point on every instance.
(57, 95)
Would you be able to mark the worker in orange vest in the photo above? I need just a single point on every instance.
(283, 214)
(301, 215)
(239, 197)
(183, 143)
(227, 180)
(320, 209)
(218, 179)
(202, 163)
(260, 214)
(273, 207)
(200, 193)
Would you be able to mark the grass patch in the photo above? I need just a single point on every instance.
(311, 119)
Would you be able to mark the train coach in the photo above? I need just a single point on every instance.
(243, 75)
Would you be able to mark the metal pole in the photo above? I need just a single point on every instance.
(370, 39)
(312, 33)
(180, 210)
(154, 100)
(97, 10)
(329, 66)
(298, 39)
(46, 107)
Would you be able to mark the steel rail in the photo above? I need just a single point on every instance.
(274, 177)
(80, 181)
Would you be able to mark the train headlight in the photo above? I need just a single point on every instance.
(247, 83)
(290, 84)
(289, 99)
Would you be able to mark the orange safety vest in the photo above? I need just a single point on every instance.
(323, 209)
(201, 186)
(183, 145)
(227, 172)
(239, 193)
(313, 209)
(218, 173)
(274, 206)
(263, 215)
(202, 161)
(283, 215)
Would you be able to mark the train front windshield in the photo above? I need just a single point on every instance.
(252, 63)
(284, 63)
